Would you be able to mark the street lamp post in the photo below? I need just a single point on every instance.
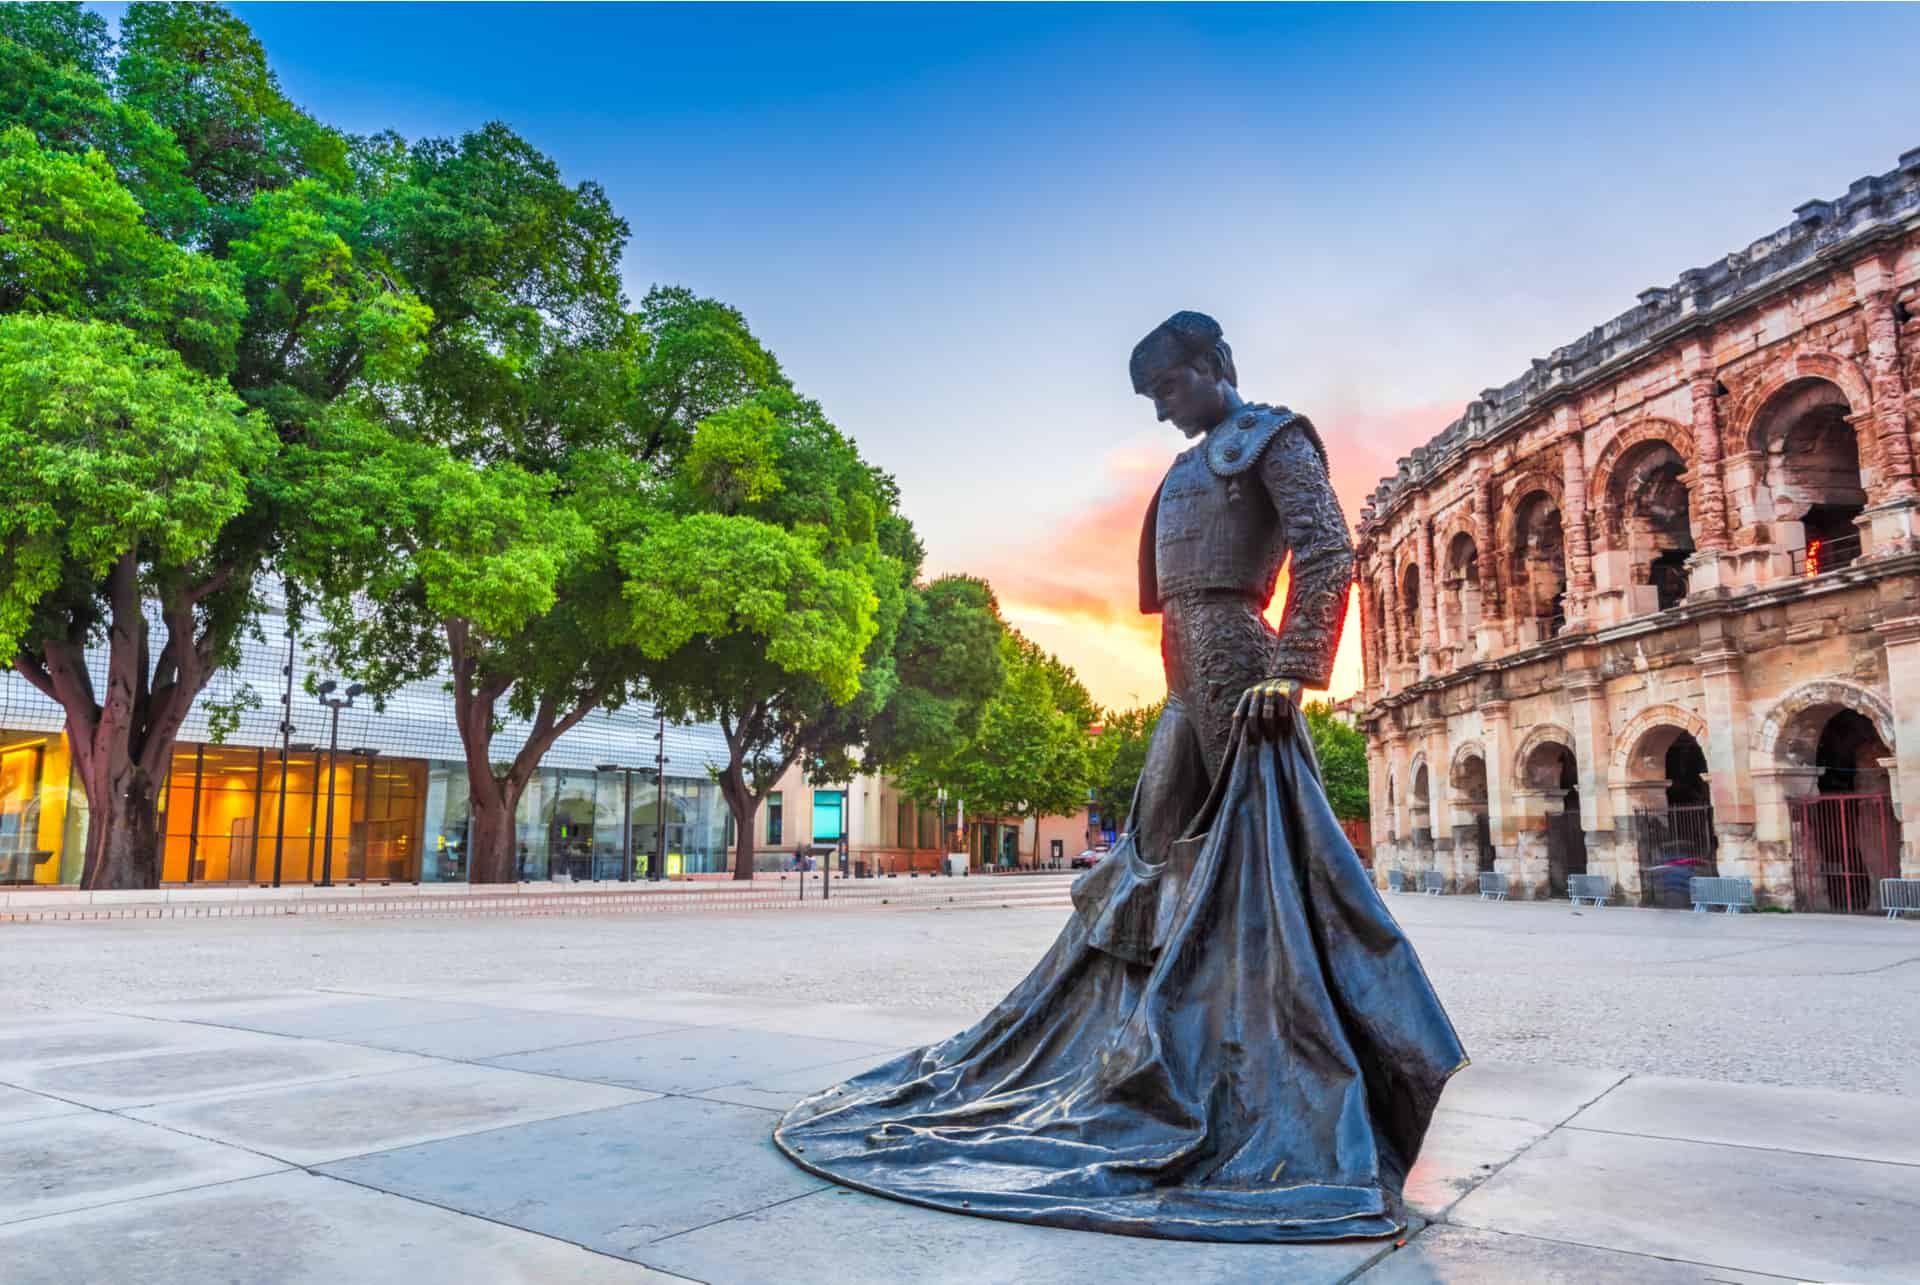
(336, 704)
(657, 864)
(287, 730)
(626, 815)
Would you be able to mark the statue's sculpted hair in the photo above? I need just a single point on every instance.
(1183, 337)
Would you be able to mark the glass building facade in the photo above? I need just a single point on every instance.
(391, 805)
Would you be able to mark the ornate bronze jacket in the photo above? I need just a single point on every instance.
(1231, 509)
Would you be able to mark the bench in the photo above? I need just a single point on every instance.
(1898, 896)
(1396, 881)
(1594, 888)
(1736, 894)
(1432, 882)
(1493, 887)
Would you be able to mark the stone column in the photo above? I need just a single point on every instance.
(1439, 807)
(1592, 752)
(1486, 538)
(1723, 685)
(1429, 595)
(1709, 495)
(1902, 638)
(1496, 724)
(1369, 631)
(1573, 518)
(1887, 374)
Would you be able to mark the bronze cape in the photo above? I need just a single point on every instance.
(1234, 1044)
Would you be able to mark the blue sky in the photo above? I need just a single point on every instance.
(952, 223)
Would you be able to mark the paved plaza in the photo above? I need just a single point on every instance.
(591, 1099)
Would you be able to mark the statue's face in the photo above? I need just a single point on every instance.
(1190, 395)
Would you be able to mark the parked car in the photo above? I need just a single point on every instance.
(1087, 858)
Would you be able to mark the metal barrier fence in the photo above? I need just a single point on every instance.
(1593, 888)
(1843, 846)
(1493, 887)
(1899, 896)
(1736, 894)
(1675, 845)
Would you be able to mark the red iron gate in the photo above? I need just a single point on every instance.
(1843, 846)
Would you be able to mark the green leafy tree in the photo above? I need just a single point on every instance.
(1120, 755)
(469, 520)
(278, 288)
(768, 595)
(1343, 761)
(1033, 754)
(125, 468)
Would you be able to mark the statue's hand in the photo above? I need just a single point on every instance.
(1269, 708)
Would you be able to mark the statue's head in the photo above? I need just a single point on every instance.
(1186, 369)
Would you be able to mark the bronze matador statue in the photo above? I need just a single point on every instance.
(1230, 1039)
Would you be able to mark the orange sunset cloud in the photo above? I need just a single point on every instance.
(1073, 589)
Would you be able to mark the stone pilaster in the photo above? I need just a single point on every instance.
(1497, 735)
(1573, 517)
(1709, 491)
(1429, 594)
(1902, 639)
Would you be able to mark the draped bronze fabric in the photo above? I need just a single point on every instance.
(1236, 1043)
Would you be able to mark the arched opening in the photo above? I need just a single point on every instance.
(1845, 834)
(1673, 828)
(1393, 817)
(1460, 592)
(1648, 516)
(1382, 623)
(1470, 797)
(1813, 473)
(1551, 771)
(1539, 568)
(1410, 614)
(1421, 823)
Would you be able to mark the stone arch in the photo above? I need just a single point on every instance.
(1542, 734)
(1833, 368)
(1626, 443)
(1790, 732)
(1461, 775)
(1639, 747)
(1518, 492)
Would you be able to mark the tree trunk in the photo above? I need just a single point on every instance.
(742, 804)
(123, 832)
(490, 836)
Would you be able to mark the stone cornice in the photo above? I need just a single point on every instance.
(1823, 233)
(1778, 593)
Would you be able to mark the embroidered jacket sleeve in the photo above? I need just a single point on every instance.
(1295, 474)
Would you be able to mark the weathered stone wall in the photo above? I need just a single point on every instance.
(1698, 521)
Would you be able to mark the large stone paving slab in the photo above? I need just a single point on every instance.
(17, 1105)
(1527, 1091)
(1866, 1126)
(325, 1016)
(48, 1043)
(841, 1237)
(1468, 1256)
(175, 1074)
(308, 1124)
(293, 1229)
(688, 1059)
(1462, 1151)
(612, 1180)
(501, 1034)
(1802, 1216)
(779, 1091)
(906, 1028)
(54, 1165)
